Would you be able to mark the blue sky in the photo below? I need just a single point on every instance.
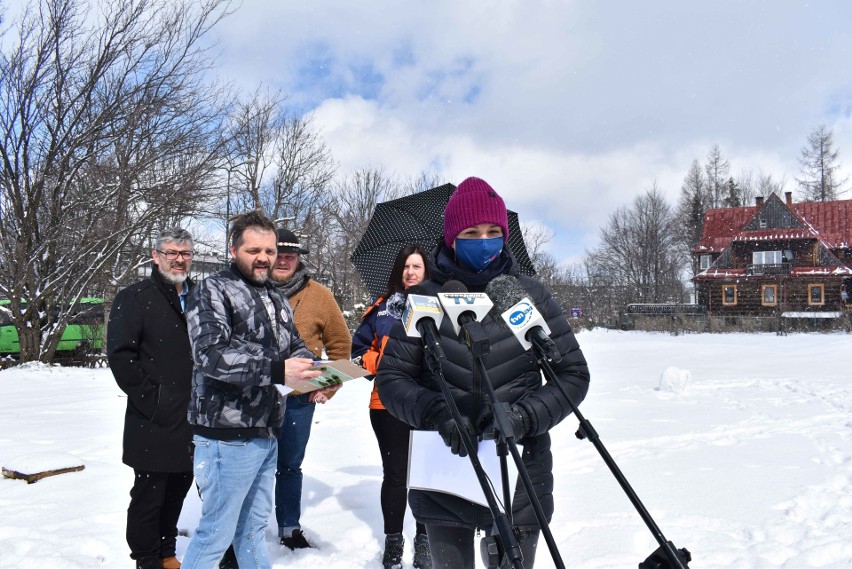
(569, 109)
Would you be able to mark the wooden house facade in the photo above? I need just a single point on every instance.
(776, 258)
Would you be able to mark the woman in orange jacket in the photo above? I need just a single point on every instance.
(368, 343)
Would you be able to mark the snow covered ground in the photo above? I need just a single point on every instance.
(740, 446)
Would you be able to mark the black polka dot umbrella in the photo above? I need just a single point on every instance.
(415, 219)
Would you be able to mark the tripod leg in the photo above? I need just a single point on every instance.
(529, 543)
(492, 553)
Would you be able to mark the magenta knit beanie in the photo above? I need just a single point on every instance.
(473, 202)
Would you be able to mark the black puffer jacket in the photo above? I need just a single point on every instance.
(411, 393)
(149, 355)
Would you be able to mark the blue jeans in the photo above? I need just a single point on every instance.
(292, 442)
(235, 481)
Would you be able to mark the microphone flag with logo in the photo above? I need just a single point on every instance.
(462, 306)
(422, 317)
(521, 315)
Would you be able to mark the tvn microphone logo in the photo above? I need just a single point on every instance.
(464, 298)
(521, 314)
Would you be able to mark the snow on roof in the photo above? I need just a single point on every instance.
(830, 222)
(812, 314)
(721, 225)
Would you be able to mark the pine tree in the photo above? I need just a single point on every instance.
(690, 211)
(733, 195)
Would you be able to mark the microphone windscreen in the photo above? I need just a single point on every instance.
(453, 286)
(417, 289)
(504, 291)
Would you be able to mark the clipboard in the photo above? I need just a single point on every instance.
(334, 372)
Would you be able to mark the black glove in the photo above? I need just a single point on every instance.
(485, 421)
(518, 427)
(449, 431)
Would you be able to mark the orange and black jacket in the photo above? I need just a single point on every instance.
(369, 341)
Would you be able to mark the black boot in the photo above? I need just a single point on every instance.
(422, 555)
(229, 560)
(295, 541)
(392, 559)
(148, 563)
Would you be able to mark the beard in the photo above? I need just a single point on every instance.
(248, 271)
(172, 277)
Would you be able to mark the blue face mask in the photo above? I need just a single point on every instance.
(476, 254)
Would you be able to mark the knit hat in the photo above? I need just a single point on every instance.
(473, 202)
(289, 243)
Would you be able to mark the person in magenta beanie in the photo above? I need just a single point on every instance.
(474, 252)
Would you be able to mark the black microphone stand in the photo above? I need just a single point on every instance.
(501, 520)
(478, 343)
(666, 556)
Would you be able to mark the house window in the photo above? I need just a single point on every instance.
(729, 295)
(706, 261)
(769, 295)
(762, 223)
(816, 294)
(766, 258)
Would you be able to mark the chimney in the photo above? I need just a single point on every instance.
(758, 201)
(789, 196)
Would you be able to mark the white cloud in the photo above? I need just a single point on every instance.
(570, 109)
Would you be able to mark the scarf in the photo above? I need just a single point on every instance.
(295, 283)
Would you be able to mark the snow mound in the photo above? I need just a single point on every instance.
(39, 367)
(42, 462)
(674, 379)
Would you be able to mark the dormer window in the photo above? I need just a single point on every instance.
(705, 262)
(766, 258)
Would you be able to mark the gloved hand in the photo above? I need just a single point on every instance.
(485, 421)
(449, 431)
(518, 423)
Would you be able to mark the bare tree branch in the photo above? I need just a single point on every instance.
(109, 131)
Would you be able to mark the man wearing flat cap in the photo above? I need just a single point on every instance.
(322, 327)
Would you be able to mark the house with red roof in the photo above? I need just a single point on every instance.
(776, 258)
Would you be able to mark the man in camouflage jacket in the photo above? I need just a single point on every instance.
(247, 352)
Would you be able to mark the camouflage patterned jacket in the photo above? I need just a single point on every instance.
(238, 359)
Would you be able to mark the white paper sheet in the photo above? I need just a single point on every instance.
(432, 466)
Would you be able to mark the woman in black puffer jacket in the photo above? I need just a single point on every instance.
(474, 252)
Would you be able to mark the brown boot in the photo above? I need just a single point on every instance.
(170, 563)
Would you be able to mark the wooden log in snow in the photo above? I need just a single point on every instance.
(34, 467)
(36, 476)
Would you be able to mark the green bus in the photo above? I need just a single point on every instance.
(84, 334)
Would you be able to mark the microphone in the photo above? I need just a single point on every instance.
(465, 310)
(462, 306)
(521, 316)
(421, 319)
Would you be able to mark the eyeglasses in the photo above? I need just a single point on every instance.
(172, 255)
